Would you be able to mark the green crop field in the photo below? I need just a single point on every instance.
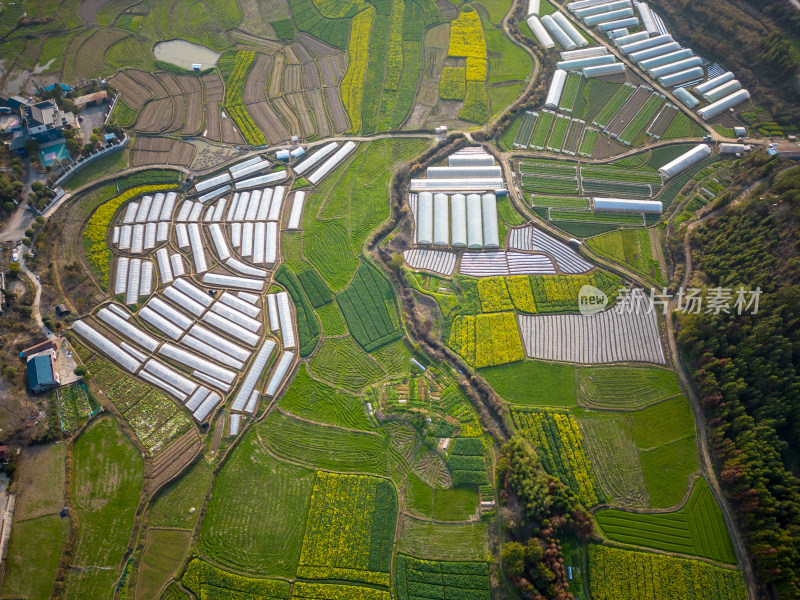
(369, 308)
(622, 173)
(448, 541)
(526, 124)
(466, 462)
(662, 423)
(323, 446)
(613, 106)
(33, 555)
(342, 362)
(541, 130)
(163, 555)
(558, 134)
(350, 529)
(533, 383)
(641, 119)
(320, 402)
(255, 519)
(420, 579)
(632, 247)
(589, 142)
(318, 293)
(656, 576)
(208, 581)
(559, 201)
(107, 482)
(593, 217)
(697, 529)
(625, 388)
(570, 94)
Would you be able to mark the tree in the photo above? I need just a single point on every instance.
(80, 370)
(32, 147)
(513, 556)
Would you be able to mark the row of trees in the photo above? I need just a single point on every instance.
(747, 367)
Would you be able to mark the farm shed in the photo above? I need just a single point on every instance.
(725, 89)
(641, 55)
(643, 44)
(715, 82)
(686, 97)
(540, 32)
(681, 77)
(37, 349)
(298, 152)
(42, 373)
(665, 59)
(580, 63)
(601, 70)
(261, 180)
(634, 37)
(458, 220)
(556, 89)
(568, 28)
(249, 168)
(584, 53)
(675, 67)
(712, 110)
(684, 161)
(579, 4)
(441, 208)
(474, 222)
(490, 229)
(425, 218)
(646, 15)
(608, 16)
(474, 184)
(472, 159)
(558, 34)
(731, 148)
(464, 172)
(653, 207)
(597, 9)
(610, 25)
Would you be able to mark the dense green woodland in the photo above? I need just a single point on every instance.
(747, 368)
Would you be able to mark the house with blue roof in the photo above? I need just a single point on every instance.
(42, 373)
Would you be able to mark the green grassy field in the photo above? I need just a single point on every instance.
(532, 383)
(663, 422)
(697, 529)
(255, 518)
(173, 505)
(448, 541)
(164, 552)
(33, 555)
(108, 477)
(320, 402)
(322, 446)
(420, 579)
(667, 469)
(625, 388)
(456, 504)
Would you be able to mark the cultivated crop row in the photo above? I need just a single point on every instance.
(486, 339)
(427, 579)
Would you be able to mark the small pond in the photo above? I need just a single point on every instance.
(185, 54)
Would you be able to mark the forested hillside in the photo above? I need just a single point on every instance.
(746, 366)
(753, 38)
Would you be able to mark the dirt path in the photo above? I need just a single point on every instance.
(38, 296)
(67, 301)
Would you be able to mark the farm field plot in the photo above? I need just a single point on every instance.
(487, 339)
(570, 93)
(322, 446)
(323, 403)
(107, 482)
(559, 293)
(419, 579)
(662, 122)
(618, 574)
(627, 112)
(642, 118)
(573, 138)
(162, 556)
(447, 541)
(541, 130)
(533, 383)
(173, 506)
(207, 581)
(350, 529)
(625, 388)
(697, 529)
(525, 130)
(342, 362)
(369, 308)
(632, 247)
(555, 433)
(558, 133)
(255, 519)
(466, 462)
(558, 201)
(613, 106)
(614, 456)
(588, 143)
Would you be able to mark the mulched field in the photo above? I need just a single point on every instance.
(297, 102)
(626, 114)
(662, 121)
(315, 100)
